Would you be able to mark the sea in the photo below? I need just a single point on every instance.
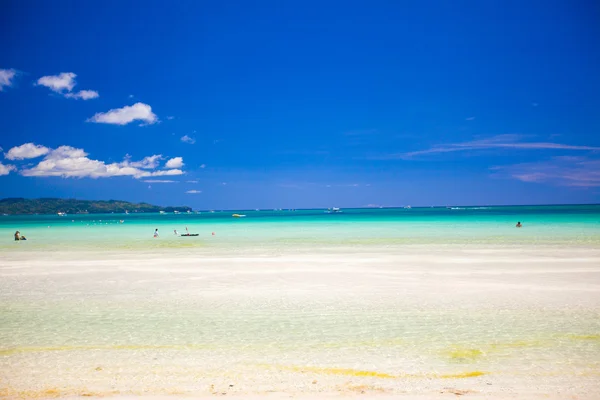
(295, 229)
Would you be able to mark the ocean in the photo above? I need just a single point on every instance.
(387, 302)
(290, 229)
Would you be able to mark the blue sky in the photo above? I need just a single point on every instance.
(263, 104)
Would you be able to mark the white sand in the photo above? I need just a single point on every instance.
(413, 322)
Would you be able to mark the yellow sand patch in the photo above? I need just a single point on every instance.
(339, 371)
(465, 354)
(585, 337)
(374, 374)
(471, 374)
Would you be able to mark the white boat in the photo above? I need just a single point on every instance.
(162, 212)
(61, 214)
(175, 212)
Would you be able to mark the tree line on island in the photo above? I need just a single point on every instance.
(14, 206)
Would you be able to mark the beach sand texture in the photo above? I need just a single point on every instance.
(345, 320)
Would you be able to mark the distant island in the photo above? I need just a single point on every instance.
(13, 206)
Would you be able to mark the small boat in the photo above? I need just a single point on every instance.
(175, 212)
(162, 212)
(61, 214)
(238, 215)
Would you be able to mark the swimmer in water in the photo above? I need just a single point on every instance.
(519, 224)
(156, 233)
(18, 236)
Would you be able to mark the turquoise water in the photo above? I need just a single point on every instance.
(567, 225)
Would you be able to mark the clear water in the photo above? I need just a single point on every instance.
(467, 225)
(394, 300)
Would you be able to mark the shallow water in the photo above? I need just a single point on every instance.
(398, 302)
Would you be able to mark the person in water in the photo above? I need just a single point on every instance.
(175, 232)
(156, 233)
(18, 236)
(519, 224)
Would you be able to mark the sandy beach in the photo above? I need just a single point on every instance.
(406, 321)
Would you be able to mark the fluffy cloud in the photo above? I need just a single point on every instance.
(150, 162)
(194, 191)
(5, 169)
(65, 81)
(71, 162)
(27, 150)
(123, 116)
(83, 94)
(176, 162)
(63, 84)
(164, 172)
(188, 139)
(6, 79)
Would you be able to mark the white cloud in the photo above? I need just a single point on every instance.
(194, 191)
(6, 79)
(159, 181)
(164, 172)
(187, 139)
(191, 181)
(5, 169)
(150, 162)
(27, 150)
(170, 117)
(71, 162)
(494, 142)
(176, 162)
(123, 116)
(65, 81)
(83, 94)
(202, 166)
